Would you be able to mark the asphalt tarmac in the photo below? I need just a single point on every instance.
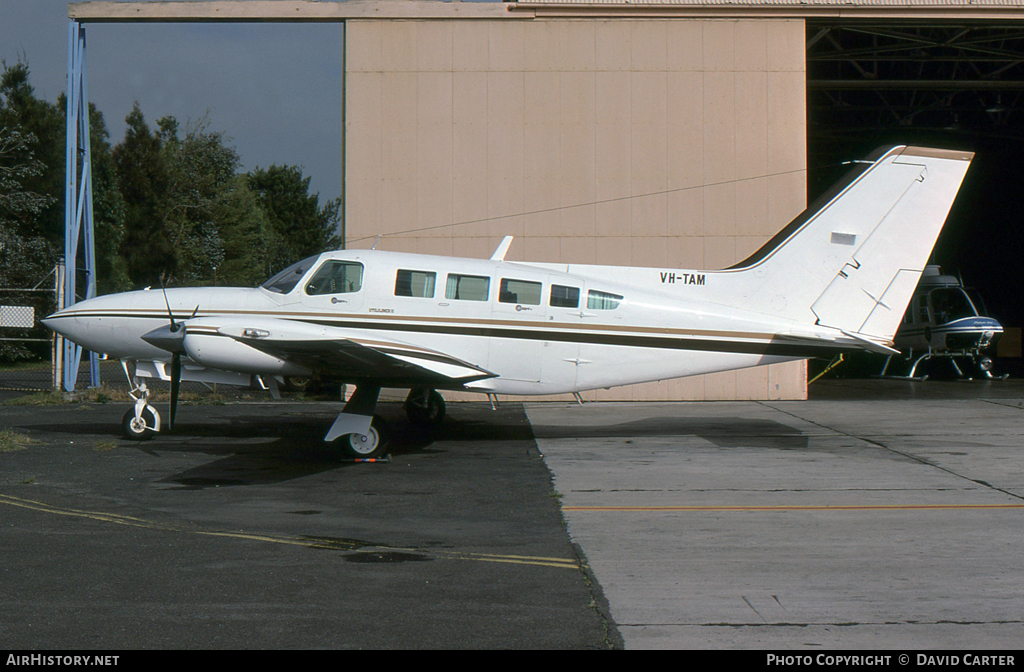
(879, 515)
(242, 530)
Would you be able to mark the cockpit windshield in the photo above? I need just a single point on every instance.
(285, 281)
(950, 303)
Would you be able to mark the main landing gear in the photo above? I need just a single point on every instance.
(424, 408)
(364, 435)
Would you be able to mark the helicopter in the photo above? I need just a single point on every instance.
(946, 320)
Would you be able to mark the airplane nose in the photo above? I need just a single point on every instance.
(58, 322)
(80, 324)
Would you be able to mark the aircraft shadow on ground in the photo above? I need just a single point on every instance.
(255, 448)
(722, 432)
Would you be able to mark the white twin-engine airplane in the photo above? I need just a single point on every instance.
(838, 277)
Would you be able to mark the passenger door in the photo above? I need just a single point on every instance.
(561, 354)
(517, 348)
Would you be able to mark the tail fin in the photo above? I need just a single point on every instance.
(852, 260)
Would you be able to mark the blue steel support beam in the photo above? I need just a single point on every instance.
(78, 201)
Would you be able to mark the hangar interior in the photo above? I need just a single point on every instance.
(957, 81)
(658, 133)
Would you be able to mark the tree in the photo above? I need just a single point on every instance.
(215, 223)
(108, 208)
(22, 111)
(190, 217)
(143, 181)
(246, 235)
(25, 258)
(300, 225)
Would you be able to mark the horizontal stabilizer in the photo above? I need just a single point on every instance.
(872, 345)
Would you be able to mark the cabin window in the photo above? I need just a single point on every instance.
(336, 277)
(415, 283)
(519, 291)
(467, 287)
(602, 300)
(565, 297)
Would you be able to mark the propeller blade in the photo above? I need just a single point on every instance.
(174, 325)
(175, 385)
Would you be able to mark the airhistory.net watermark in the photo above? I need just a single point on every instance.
(58, 660)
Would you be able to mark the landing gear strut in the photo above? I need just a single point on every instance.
(424, 407)
(142, 421)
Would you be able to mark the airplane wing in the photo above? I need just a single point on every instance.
(345, 354)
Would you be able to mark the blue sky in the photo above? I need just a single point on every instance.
(274, 89)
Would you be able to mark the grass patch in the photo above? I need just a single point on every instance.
(48, 398)
(10, 440)
(95, 395)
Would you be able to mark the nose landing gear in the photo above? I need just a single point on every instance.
(142, 421)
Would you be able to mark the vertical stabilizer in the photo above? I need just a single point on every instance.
(852, 260)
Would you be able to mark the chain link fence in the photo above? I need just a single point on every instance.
(26, 346)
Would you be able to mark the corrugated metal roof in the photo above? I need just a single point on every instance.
(794, 3)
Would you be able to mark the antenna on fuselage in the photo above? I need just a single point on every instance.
(499, 254)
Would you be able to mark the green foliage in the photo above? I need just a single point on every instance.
(170, 204)
(22, 112)
(142, 178)
(222, 227)
(301, 227)
(246, 235)
(26, 256)
(201, 171)
(108, 209)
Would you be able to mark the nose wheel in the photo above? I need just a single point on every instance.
(141, 426)
(141, 421)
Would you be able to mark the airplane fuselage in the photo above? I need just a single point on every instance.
(540, 329)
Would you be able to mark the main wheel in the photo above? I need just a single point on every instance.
(136, 430)
(371, 445)
(429, 415)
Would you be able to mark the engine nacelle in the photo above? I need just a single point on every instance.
(217, 351)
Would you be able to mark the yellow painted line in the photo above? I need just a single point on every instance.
(308, 542)
(808, 507)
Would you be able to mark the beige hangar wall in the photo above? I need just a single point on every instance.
(677, 143)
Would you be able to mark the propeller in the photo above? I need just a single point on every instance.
(175, 361)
